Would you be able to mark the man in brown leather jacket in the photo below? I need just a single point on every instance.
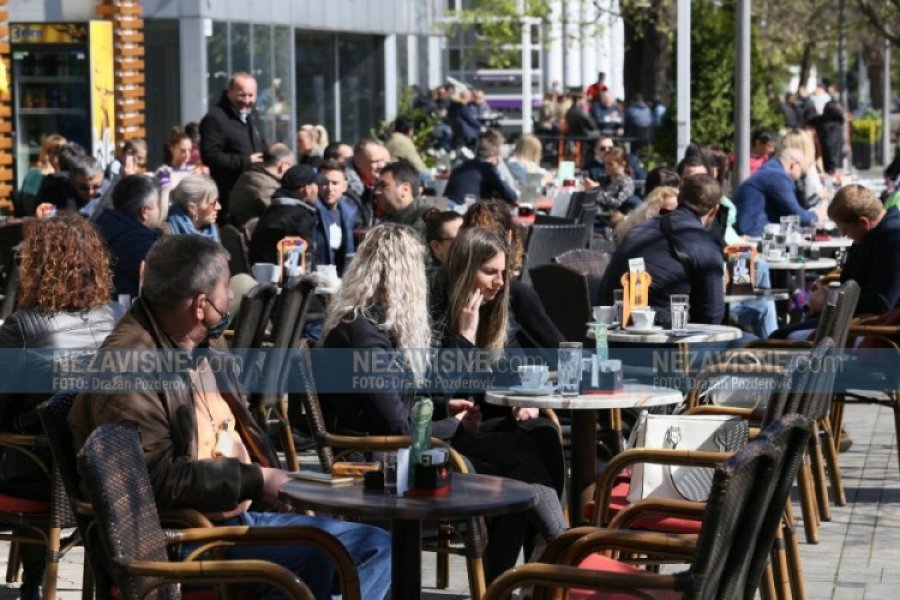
(202, 448)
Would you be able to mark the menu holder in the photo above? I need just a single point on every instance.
(740, 262)
(291, 257)
(636, 293)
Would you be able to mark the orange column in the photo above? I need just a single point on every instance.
(6, 137)
(128, 40)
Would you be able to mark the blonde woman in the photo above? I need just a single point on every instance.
(526, 160)
(661, 200)
(194, 207)
(811, 188)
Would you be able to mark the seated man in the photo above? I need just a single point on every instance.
(80, 190)
(202, 448)
(253, 190)
(397, 194)
(337, 215)
(680, 254)
(769, 194)
(291, 213)
(873, 261)
(130, 229)
(480, 176)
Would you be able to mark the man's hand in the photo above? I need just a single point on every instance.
(468, 316)
(45, 210)
(256, 157)
(524, 414)
(821, 213)
(466, 413)
(273, 479)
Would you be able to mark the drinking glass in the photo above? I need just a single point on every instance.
(390, 473)
(619, 302)
(679, 304)
(569, 368)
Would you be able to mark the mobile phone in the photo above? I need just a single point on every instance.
(325, 478)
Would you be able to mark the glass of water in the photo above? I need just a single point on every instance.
(619, 302)
(679, 305)
(569, 368)
(390, 473)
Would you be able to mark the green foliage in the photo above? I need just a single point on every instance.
(866, 130)
(713, 86)
(425, 123)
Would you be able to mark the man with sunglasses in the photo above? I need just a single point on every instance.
(83, 190)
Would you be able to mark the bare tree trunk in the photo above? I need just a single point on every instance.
(806, 62)
(873, 50)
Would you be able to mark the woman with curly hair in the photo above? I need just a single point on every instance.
(63, 303)
(382, 308)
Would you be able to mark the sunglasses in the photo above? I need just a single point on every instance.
(89, 187)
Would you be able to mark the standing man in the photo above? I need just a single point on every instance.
(202, 447)
(229, 141)
(337, 214)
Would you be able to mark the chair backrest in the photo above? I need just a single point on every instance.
(744, 509)
(315, 420)
(112, 467)
(587, 218)
(253, 316)
(11, 291)
(587, 262)
(566, 298)
(546, 241)
(815, 402)
(234, 241)
(838, 313)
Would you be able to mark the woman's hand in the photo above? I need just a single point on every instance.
(466, 413)
(523, 414)
(588, 184)
(468, 316)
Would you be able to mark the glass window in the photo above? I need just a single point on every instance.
(402, 66)
(262, 70)
(282, 86)
(240, 47)
(315, 79)
(422, 51)
(361, 76)
(217, 61)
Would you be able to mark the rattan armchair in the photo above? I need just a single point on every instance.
(249, 326)
(727, 556)
(136, 548)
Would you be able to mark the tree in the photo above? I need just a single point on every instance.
(884, 16)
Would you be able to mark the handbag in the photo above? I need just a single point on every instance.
(711, 433)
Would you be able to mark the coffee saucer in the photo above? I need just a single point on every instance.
(518, 390)
(654, 329)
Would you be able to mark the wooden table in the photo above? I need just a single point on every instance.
(470, 496)
(584, 424)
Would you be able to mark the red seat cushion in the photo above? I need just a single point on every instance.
(618, 501)
(598, 562)
(13, 504)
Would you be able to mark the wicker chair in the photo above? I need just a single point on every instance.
(546, 241)
(253, 316)
(235, 242)
(727, 557)
(330, 445)
(135, 546)
(566, 298)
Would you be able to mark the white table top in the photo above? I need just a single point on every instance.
(811, 265)
(760, 294)
(835, 242)
(632, 395)
(697, 333)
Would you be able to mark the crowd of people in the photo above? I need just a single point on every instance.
(416, 275)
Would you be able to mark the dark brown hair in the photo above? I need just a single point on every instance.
(65, 266)
(496, 216)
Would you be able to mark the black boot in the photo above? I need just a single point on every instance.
(33, 564)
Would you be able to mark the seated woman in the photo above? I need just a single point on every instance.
(64, 302)
(616, 188)
(195, 208)
(661, 200)
(177, 165)
(526, 160)
(382, 307)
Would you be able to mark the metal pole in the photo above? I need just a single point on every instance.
(683, 118)
(526, 75)
(842, 50)
(742, 92)
(886, 107)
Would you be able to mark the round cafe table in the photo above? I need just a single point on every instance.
(470, 496)
(696, 333)
(584, 424)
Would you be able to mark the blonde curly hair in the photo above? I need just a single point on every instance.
(386, 283)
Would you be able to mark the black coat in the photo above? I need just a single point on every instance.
(226, 145)
(480, 178)
(286, 216)
(875, 265)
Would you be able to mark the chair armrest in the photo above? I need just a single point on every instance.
(388, 442)
(675, 545)
(26, 445)
(220, 571)
(184, 518)
(652, 508)
(620, 462)
(208, 538)
(748, 414)
(558, 576)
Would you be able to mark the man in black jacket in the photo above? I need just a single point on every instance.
(680, 254)
(292, 213)
(229, 141)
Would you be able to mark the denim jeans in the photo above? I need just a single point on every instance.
(369, 546)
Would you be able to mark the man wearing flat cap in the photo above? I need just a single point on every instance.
(291, 213)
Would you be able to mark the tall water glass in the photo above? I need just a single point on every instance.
(679, 305)
(569, 368)
(619, 301)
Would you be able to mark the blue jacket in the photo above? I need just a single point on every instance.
(480, 178)
(129, 241)
(324, 254)
(874, 264)
(765, 197)
(704, 283)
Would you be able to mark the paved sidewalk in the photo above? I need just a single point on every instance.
(857, 558)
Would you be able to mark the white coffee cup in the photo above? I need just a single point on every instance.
(329, 272)
(643, 318)
(775, 254)
(534, 377)
(604, 314)
(265, 272)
